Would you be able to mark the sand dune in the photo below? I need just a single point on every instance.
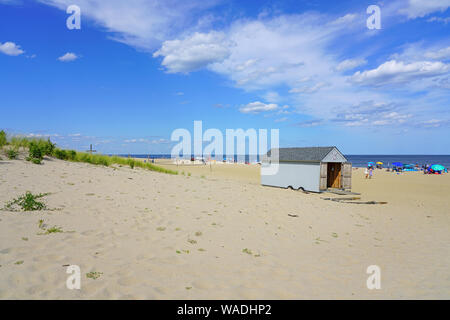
(221, 236)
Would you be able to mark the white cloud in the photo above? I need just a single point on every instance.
(148, 141)
(371, 113)
(417, 51)
(350, 17)
(350, 64)
(310, 89)
(439, 19)
(258, 107)
(69, 56)
(433, 123)
(194, 52)
(259, 54)
(140, 23)
(11, 49)
(441, 54)
(398, 72)
(272, 96)
(420, 8)
(308, 123)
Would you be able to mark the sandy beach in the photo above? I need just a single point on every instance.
(218, 234)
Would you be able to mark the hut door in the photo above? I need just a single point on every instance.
(346, 175)
(334, 175)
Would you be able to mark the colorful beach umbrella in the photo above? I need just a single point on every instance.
(437, 167)
(379, 162)
(370, 163)
(397, 164)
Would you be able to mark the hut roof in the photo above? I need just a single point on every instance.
(312, 154)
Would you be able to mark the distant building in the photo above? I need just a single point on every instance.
(312, 169)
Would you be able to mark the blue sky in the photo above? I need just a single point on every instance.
(137, 70)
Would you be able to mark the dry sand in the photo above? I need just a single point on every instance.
(158, 236)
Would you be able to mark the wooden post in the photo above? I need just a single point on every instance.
(91, 150)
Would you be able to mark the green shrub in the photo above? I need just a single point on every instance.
(36, 161)
(3, 140)
(12, 154)
(35, 151)
(60, 154)
(71, 154)
(48, 147)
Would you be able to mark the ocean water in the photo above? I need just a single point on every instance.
(356, 160)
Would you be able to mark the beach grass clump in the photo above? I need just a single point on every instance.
(36, 161)
(27, 202)
(12, 153)
(3, 140)
(19, 142)
(93, 275)
(68, 155)
(54, 229)
(35, 153)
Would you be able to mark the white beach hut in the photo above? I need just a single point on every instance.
(312, 169)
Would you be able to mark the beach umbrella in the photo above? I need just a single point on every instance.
(437, 167)
(379, 162)
(370, 163)
(397, 164)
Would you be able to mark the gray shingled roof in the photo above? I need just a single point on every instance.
(314, 154)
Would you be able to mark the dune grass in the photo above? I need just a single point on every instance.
(38, 148)
(104, 160)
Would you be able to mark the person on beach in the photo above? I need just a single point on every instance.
(366, 172)
(370, 173)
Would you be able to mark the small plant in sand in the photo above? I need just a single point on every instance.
(192, 241)
(93, 275)
(54, 229)
(247, 251)
(19, 262)
(27, 202)
(318, 240)
(12, 154)
(43, 226)
(161, 228)
(198, 234)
